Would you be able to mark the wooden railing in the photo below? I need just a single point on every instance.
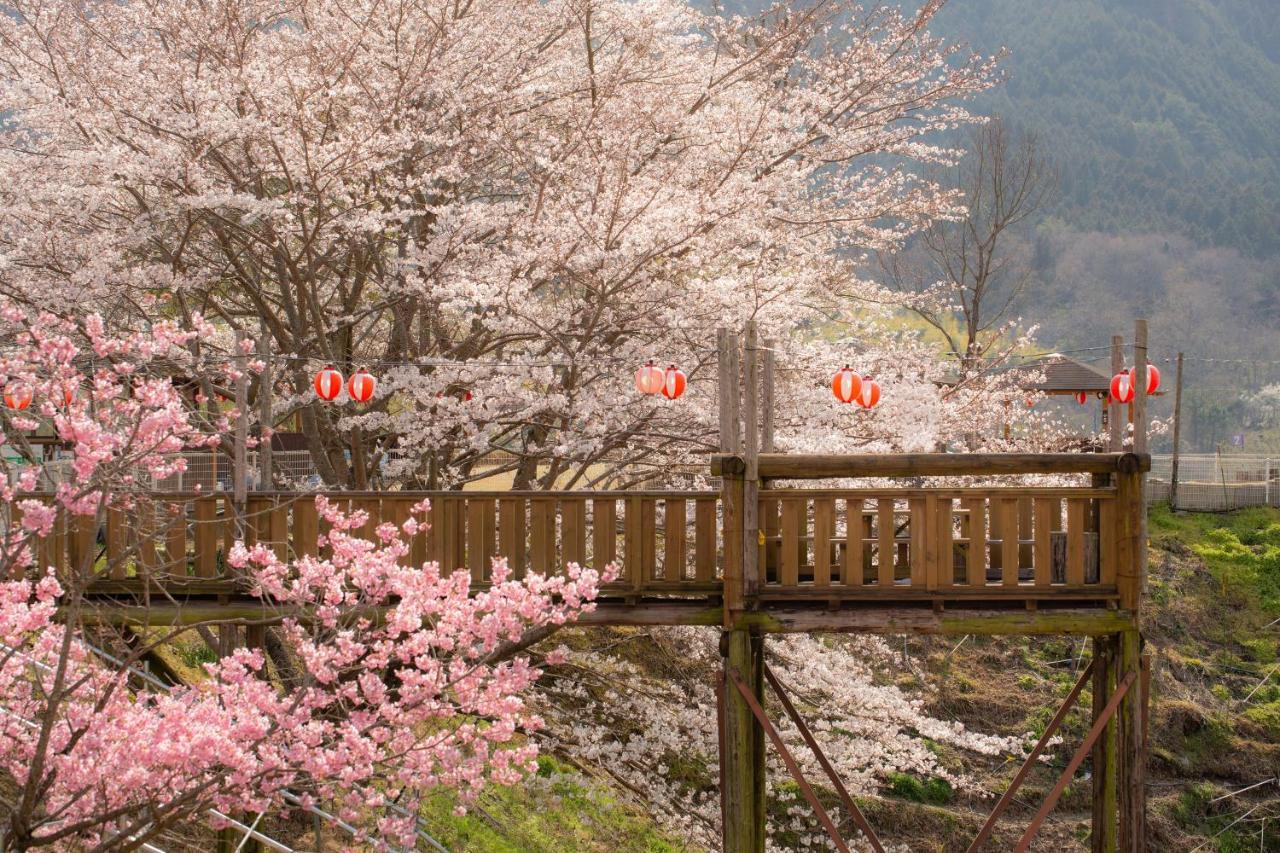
(903, 542)
(939, 543)
(660, 541)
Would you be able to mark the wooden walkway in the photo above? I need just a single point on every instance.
(1030, 559)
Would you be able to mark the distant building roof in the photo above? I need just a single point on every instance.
(1063, 375)
(1057, 374)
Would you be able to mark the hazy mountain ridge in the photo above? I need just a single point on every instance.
(1162, 115)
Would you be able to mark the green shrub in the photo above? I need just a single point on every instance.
(933, 791)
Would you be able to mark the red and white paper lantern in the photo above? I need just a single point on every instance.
(17, 397)
(361, 386)
(328, 383)
(1122, 388)
(869, 396)
(846, 385)
(650, 378)
(673, 382)
(1082, 397)
(1153, 378)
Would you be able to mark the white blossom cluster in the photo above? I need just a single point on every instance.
(653, 727)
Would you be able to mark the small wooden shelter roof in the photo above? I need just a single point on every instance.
(1060, 374)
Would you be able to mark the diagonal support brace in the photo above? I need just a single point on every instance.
(787, 759)
(847, 801)
(1076, 760)
(1030, 761)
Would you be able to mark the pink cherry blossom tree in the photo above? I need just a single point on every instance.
(504, 208)
(409, 679)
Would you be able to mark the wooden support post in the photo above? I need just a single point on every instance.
(767, 399)
(742, 739)
(1117, 419)
(731, 481)
(1140, 386)
(266, 417)
(1177, 436)
(742, 752)
(751, 455)
(1140, 444)
(240, 472)
(1104, 760)
(1131, 749)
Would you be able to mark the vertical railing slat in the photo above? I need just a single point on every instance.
(206, 537)
(674, 521)
(704, 560)
(1009, 545)
(481, 534)
(770, 515)
(573, 530)
(604, 533)
(511, 534)
(542, 535)
(976, 559)
(1108, 556)
(175, 540)
(944, 562)
(117, 543)
(824, 529)
(917, 552)
(851, 565)
(789, 553)
(306, 527)
(1043, 557)
(887, 548)
(1076, 509)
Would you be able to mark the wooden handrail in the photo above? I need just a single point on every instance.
(791, 466)
(617, 494)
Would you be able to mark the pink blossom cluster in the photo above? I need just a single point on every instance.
(406, 688)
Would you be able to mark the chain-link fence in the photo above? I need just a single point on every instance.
(1211, 482)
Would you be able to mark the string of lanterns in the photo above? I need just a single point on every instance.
(19, 397)
(851, 388)
(651, 379)
(360, 387)
(1122, 384)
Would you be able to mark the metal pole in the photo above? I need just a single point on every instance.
(1177, 435)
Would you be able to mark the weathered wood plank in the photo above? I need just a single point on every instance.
(1108, 545)
(1009, 546)
(918, 530)
(770, 517)
(542, 535)
(573, 530)
(206, 537)
(117, 543)
(851, 565)
(824, 528)
(481, 534)
(704, 567)
(887, 547)
(175, 540)
(604, 532)
(306, 528)
(1076, 510)
(789, 557)
(1043, 557)
(511, 534)
(942, 560)
(795, 466)
(674, 527)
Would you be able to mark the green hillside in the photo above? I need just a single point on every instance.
(1162, 114)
